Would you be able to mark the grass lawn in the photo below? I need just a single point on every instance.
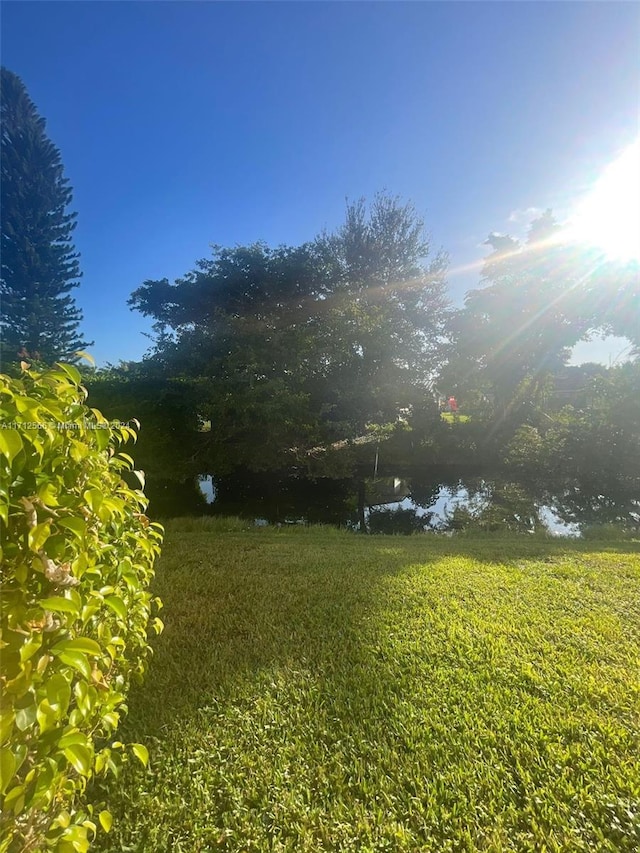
(321, 691)
(454, 419)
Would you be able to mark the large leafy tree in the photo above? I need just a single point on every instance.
(385, 315)
(239, 326)
(519, 326)
(611, 300)
(39, 264)
(537, 300)
(305, 346)
(167, 447)
(584, 458)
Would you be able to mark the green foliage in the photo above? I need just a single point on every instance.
(386, 316)
(296, 348)
(241, 342)
(170, 436)
(537, 300)
(611, 300)
(461, 442)
(39, 265)
(610, 533)
(78, 554)
(585, 457)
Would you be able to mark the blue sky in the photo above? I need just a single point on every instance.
(188, 123)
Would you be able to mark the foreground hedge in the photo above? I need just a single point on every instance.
(77, 560)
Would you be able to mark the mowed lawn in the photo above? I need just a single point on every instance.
(316, 690)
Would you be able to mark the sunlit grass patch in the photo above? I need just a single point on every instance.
(454, 419)
(334, 692)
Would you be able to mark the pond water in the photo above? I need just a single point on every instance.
(404, 504)
(449, 499)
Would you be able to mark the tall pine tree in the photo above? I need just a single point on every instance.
(39, 266)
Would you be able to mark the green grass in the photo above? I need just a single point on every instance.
(454, 419)
(322, 691)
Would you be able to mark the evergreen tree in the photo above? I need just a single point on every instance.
(39, 265)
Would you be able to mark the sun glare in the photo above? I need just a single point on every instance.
(609, 217)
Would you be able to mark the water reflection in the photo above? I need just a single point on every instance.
(422, 502)
(479, 503)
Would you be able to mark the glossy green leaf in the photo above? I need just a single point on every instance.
(100, 418)
(63, 819)
(14, 800)
(7, 768)
(102, 760)
(79, 644)
(10, 443)
(111, 719)
(106, 820)
(117, 605)
(7, 719)
(140, 477)
(80, 757)
(28, 408)
(94, 498)
(75, 840)
(141, 752)
(18, 686)
(78, 526)
(57, 547)
(25, 717)
(78, 661)
(73, 739)
(38, 535)
(78, 451)
(46, 716)
(72, 372)
(103, 437)
(61, 480)
(91, 826)
(58, 692)
(47, 493)
(59, 604)
(32, 645)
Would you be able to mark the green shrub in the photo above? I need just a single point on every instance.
(78, 554)
(610, 533)
(398, 521)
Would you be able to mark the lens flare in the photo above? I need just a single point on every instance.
(609, 217)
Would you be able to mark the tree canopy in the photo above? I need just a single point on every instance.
(39, 264)
(537, 299)
(306, 360)
(316, 341)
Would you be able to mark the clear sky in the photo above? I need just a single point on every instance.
(182, 124)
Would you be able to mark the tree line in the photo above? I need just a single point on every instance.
(300, 359)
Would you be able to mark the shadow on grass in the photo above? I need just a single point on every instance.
(239, 604)
(234, 607)
(238, 610)
(271, 663)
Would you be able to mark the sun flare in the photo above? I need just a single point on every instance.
(609, 216)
